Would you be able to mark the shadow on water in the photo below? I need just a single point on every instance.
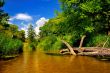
(103, 58)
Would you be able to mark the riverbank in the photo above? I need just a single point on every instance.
(97, 52)
(12, 56)
(8, 57)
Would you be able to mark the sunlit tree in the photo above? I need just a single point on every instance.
(31, 34)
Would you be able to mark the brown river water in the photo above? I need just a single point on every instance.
(36, 62)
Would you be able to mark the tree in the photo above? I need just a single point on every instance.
(11, 44)
(22, 35)
(87, 17)
(31, 34)
(82, 19)
(1, 3)
(3, 16)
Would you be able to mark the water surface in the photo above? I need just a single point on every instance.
(34, 62)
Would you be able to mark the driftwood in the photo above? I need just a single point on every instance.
(92, 51)
(87, 51)
(81, 43)
(69, 47)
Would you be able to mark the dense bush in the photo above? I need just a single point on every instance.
(9, 46)
(32, 45)
(57, 45)
(72, 39)
(99, 41)
(54, 43)
(47, 43)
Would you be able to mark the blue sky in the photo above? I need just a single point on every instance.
(23, 12)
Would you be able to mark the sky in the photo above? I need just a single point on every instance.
(35, 12)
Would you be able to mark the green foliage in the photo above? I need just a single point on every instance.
(54, 43)
(57, 45)
(33, 45)
(21, 35)
(31, 33)
(9, 46)
(1, 3)
(78, 18)
(56, 25)
(50, 43)
(31, 37)
(47, 43)
(3, 16)
(10, 37)
(99, 41)
(69, 38)
(91, 6)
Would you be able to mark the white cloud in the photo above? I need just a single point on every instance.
(40, 23)
(37, 30)
(21, 16)
(10, 22)
(11, 19)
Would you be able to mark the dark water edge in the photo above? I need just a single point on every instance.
(9, 57)
(103, 58)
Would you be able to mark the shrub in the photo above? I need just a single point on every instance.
(47, 43)
(53, 43)
(32, 45)
(99, 41)
(57, 45)
(9, 46)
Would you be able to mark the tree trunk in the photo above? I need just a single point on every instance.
(69, 47)
(81, 43)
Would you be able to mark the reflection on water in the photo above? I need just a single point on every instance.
(33, 62)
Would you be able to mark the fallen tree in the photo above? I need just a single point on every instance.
(92, 51)
(86, 51)
(69, 47)
(81, 43)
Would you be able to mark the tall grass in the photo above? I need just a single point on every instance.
(54, 43)
(9, 46)
(99, 40)
(46, 43)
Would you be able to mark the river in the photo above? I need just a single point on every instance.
(37, 62)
